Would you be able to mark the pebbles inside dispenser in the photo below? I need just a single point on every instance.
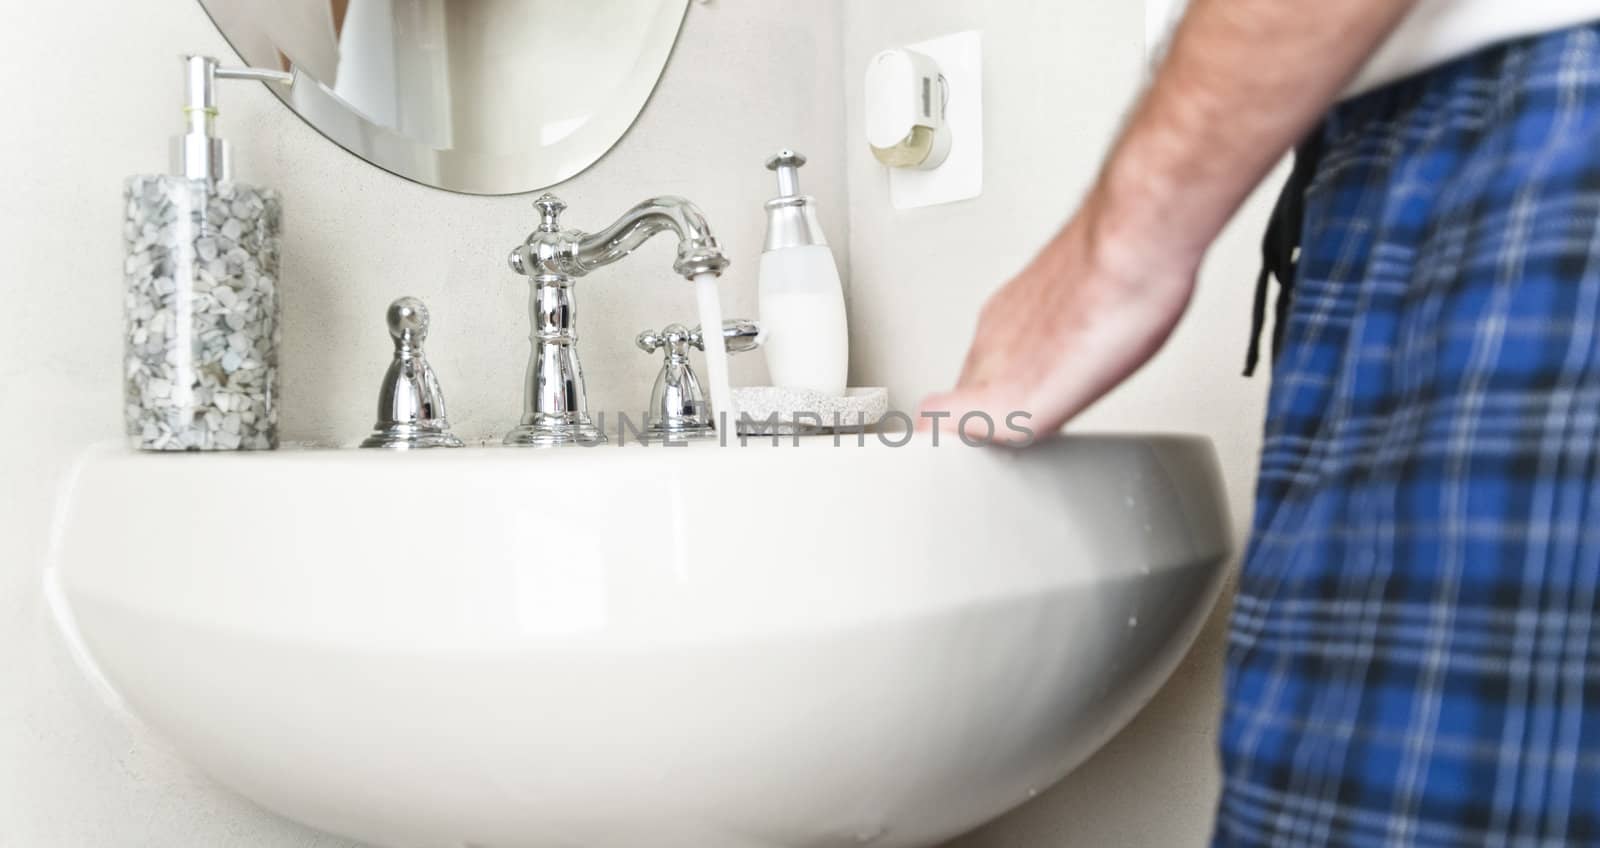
(201, 298)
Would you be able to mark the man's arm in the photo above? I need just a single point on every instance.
(1243, 81)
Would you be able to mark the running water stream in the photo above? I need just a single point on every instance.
(724, 413)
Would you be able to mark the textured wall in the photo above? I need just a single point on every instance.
(92, 94)
(1058, 78)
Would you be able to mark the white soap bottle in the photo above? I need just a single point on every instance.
(807, 343)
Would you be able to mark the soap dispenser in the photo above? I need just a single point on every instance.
(201, 290)
(801, 301)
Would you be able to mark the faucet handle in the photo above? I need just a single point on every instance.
(678, 406)
(675, 338)
(410, 403)
(550, 208)
(738, 335)
(408, 323)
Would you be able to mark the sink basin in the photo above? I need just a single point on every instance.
(660, 646)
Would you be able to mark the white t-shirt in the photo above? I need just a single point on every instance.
(1437, 31)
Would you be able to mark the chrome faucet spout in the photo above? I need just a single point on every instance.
(698, 251)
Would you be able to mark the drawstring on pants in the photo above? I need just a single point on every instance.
(1280, 250)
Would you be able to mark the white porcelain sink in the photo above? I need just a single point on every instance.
(653, 646)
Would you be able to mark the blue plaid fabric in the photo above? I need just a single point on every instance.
(1415, 648)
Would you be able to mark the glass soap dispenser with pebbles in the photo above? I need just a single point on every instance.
(201, 290)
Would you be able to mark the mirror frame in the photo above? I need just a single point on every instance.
(463, 172)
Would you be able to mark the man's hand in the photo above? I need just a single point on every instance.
(1078, 320)
(1244, 81)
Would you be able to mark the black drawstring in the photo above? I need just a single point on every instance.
(1279, 249)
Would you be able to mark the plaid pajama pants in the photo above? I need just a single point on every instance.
(1414, 656)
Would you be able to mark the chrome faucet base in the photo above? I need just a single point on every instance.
(683, 434)
(411, 437)
(552, 435)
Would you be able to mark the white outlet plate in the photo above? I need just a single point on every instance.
(960, 58)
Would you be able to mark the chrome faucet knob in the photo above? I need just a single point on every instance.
(739, 335)
(675, 338)
(678, 405)
(408, 323)
(550, 208)
(410, 403)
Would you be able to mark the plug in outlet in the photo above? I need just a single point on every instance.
(925, 119)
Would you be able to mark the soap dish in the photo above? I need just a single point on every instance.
(799, 410)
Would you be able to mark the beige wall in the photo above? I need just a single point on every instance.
(1058, 77)
(91, 91)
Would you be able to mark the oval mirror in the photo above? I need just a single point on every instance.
(475, 96)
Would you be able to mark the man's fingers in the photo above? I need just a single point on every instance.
(976, 416)
(931, 408)
(945, 409)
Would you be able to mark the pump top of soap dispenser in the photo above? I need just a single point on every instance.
(787, 163)
(791, 216)
(199, 154)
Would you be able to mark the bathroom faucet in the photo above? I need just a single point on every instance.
(555, 410)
